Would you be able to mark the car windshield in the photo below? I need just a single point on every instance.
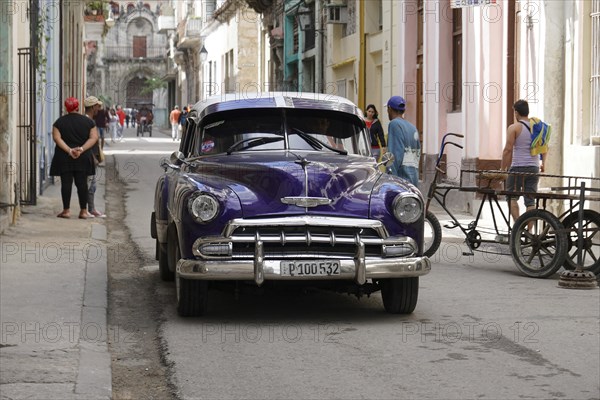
(278, 129)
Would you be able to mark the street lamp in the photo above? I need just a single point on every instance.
(203, 54)
(110, 22)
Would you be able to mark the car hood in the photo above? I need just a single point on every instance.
(262, 180)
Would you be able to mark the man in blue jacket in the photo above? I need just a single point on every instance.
(403, 142)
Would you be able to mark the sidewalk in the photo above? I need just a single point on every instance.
(53, 303)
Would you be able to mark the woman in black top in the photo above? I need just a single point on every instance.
(74, 135)
(376, 131)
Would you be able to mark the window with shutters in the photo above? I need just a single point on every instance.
(139, 46)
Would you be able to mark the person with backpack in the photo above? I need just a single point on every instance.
(520, 157)
(403, 142)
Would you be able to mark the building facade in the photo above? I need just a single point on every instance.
(41, 64)
(459, 65)
(129, 65)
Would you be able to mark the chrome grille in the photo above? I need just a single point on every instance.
(299, 241)
(303, 237)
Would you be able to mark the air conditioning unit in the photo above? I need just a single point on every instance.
(337, 15)
(336, 3)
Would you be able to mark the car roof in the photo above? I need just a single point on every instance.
(234, 101)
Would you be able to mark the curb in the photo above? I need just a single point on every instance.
(94, 378)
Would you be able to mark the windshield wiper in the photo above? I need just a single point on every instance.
(316, 143)
(252, 142)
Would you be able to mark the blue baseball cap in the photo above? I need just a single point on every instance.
(397, 103)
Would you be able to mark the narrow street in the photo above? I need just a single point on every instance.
(285, 103)
(138, 370)
(480, 330)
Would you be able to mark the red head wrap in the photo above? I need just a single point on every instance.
(71, 104)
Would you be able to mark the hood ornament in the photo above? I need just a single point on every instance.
(305, 201)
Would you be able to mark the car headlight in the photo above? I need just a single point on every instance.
(203, 208)
(408, 208)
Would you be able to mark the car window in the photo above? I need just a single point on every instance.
(188, 136)
(334, 132)
(332, 129)
(220, 134)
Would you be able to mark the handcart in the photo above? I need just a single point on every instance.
(144, 119)
(538, 241)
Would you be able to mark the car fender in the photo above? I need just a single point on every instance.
(161, 215)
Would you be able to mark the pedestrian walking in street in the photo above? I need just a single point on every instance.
(121, 115)
(92, 107)
(174, 118)
(517, 157)
(403, 142)
(127, 117)
(74, 135)
(376, 131)
(133, 117)
(101, 120)
(183, 121)
(113, 122)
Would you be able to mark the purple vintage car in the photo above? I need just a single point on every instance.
(274, 187)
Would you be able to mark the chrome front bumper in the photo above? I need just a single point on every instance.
(260, 270)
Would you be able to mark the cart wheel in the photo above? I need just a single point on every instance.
(591, 240)
(433, 234)
(538, 244)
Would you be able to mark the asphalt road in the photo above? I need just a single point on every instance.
(480, 330)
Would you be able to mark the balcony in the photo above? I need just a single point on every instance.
(134, 53)
(166, 23)
(94, 27)
(189, 33)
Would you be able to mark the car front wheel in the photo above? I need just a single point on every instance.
(192, 297)
(400, 294)
(163, 263)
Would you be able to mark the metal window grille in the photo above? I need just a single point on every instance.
(27, 157)
(341, 87)
(595, 78)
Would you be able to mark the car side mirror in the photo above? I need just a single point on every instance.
(177, 158)
(386, 158)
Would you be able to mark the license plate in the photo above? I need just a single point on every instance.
(310, 268)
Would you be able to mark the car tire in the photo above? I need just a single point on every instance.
(433, 244)
(400, 294)
(173, 252)
(163, 263)
(192, 297)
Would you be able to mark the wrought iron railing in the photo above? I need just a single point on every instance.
(133, 52)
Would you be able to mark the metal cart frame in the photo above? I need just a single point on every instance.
(539, 242)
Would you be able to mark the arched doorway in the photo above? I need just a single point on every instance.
(135, 92)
